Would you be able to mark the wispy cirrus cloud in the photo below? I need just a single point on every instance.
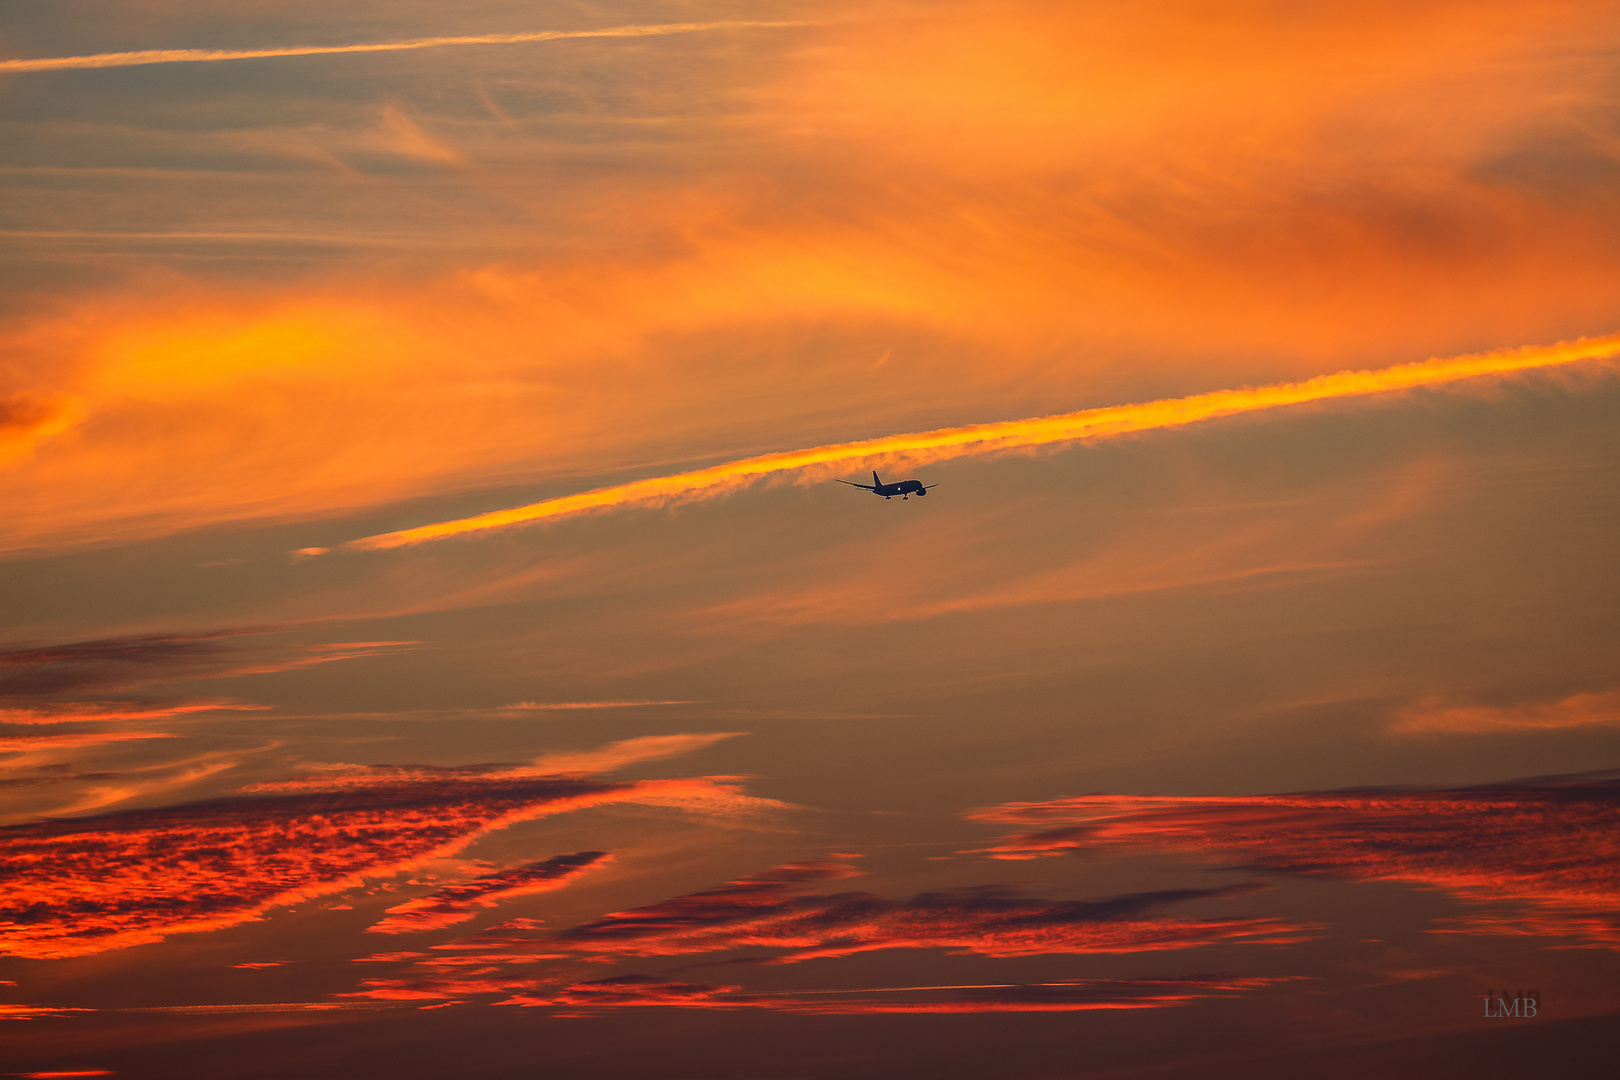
(128, 662)
(776, 909)
(458, 903)
(81, 712)
(1072, 995)
(1487, 845)
(780, 910)
(16, 743)
(609, 758)
(1437, 716)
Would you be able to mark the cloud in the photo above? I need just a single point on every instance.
(776, 910)
(1485, 845)
(546, 706)
(617, 755)
(83, 885)
(36, 1012)
(30, 418)
(194, 56)
(948, 443)
(16, 743)
(1072, 995)
(458, 903)
(340, 777)
(780, 910)
(1436, 716)
(81, 712)
(127, 662)
(1019, 203)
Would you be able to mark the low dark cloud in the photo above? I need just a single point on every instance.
(79, 667)
(1542, 852)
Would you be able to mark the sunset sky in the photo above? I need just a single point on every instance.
(434, 644)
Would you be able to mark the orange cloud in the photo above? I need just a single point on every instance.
(74, 886)
(1019, 203)
(14, 743)
(609, 758)
(1435, 716)
(458, 903)
(77, 712)
(35, 1012)
(1486, 845)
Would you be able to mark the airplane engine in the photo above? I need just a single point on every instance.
(920, 494)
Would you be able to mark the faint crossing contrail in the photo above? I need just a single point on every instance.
(939, 445)
(198, 56)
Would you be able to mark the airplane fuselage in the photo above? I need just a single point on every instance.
(903, 488)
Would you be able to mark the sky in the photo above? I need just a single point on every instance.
(435, 644)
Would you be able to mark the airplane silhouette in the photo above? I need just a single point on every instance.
(903, 488)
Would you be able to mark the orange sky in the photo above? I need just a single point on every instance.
(1263, 356)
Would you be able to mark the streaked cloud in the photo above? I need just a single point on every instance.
(458, 903)
(80, 712)
(546, 706)
(1073, 995)
(127, 662)
(1485, 845)
(15, 743)
(84, 885)
(781, 910)
(777, 910)
(1436, 716)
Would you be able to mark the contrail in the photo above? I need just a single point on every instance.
(930, 446)
(200, 56)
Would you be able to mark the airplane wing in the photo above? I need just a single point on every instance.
(930, 487)
(868, 487)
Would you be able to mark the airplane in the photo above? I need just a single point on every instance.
(903, 488)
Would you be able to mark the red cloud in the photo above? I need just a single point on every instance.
(778, 909)
(1547, 845)
(78, 886)
(628, 991)
(458, 903)
(774, 910)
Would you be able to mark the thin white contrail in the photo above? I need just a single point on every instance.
(199, 56)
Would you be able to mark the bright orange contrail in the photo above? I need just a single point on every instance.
(196, 56)
(928, 446)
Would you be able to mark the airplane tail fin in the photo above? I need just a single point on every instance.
(875, 479)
